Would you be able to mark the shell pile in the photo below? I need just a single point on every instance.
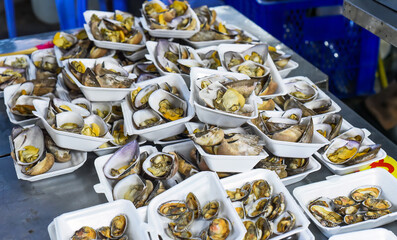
(212, 29)
(156, 104)
(35, 151)
(140, 176)
(284, 167)
(363, 203)
(115, 230)
(181, 215)
(13, 70)
(177, 16)
(262, 211)
(288, 127)
(215, 141)
(47, 70)
(304, 95)
(119, 28)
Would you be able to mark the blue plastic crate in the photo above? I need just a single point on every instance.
(343, 50)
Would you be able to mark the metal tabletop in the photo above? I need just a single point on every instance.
(373, 16)
(27, 208)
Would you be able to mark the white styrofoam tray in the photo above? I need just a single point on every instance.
(108, 44)
(371, 234)
(59, 54)
(109, 150)
(312, 167)
(238, 180)
(336, 186)
(98, 94)
(281, 90)
(226, 163)
(105, 185)
(207, 187)
(344, 169)
(162, 142)
(64, 226)
(165, 33)
(290, 149)
(66, 139)
(167, 129)
(15, 119)
(136, 55)
(214, 116)
(321, 95)
(291, 65)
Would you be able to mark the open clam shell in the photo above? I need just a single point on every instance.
(365, 153)
(45, 60)
(139, 98)
(119, 134)
(95, 119)
(176, 107)
(341, 151)
(193, 204)
(118, 225)
(172, 209)
(244, 87)
(65, 106)
(102, 109)
(211, 210)
(293, 113)
(24, 105)
(319, 106)
(186, 64)
(146, 118)
(239, 207)
(28, 145)
(122, 160)
(128, 188)
(82, 102)
(275, 124)
(257, 53)
(367, 191)
(326, 216)
(160, 165)
(264, 229)
(251, 69)
(324, 129)
(255, 208)
(69, 122)
(40, 167)
(321, 201)
(301, 90)
(335, 121)
(293, 103)
(219, 228)
(296, 165)
(60, 154)
(24, 89)
(232, 59)
(209, 94)
(284, 223)
(353, 134)
(345, 205)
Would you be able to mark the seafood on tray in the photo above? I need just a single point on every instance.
(35, 151)
(214, 140)
(119, 28)
(78, 46)
(105, 74)
(261, 210)
(14, 70)
(181, 215)
(115, 230)
(176, 16)
(288, 127)
(144, 70)
(212, 29)
(362, 204)
(284, 167)
(280, 59)
(139, 176)
(227, 94)
(156, 104)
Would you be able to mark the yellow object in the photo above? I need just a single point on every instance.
(272, 49)
(382, 73)
(222, 28)
(387, 163)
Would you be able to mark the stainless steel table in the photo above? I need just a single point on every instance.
(27, 208)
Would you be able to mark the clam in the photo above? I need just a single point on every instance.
(45, 60)
(257, 53)
(293, 113)
(319, 106)
(264, 228)
(352, 219)
(324, 129)
(118, 133)
(28, 145)
(321, 201)
(168, 105)
(293, 103)
(128, 188)
(255, 208)
(77, 68)
(205, 81)
(65, 106)
(365, 153)
(139, 97)
(335, 121)
(278, 204)
(193, 204)
(261, 188)
(102, 109)
(275, 124)
(232, 59)
(64, 40)
(345, 205)
(290, 134)
(239, 144)
(377, 204)
(183, 222)
(82, 102)
(94, 126)
(361, 193)
(326, 216)
(172, 209)
(86, 233)
(172, 233)
(24, 105)
(89, 79)
(296, 165)
(239, 207)
(24, 89)
(143, 196)
(166, 55)
(219, 229)
(60, 154)
(284, 223)
(353, 134)
(301, 90)
(122, 161)
(252, 233)
(118, 226)
(251, 69)
(186, 64)
(244, 87)
(103, 232)
(266, 86)
(208, 137)
(160, 166)
(39, 167)
(146, 118)
(211, 210)
(341, 151)
(238, 194)
(375, 214)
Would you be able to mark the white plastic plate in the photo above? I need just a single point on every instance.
(98, 94)
(66, 139)
(64, 226)
(377, 233)
(207, 187)
(336, 186)
(239, 180)
(167, 129)
(226, 163)
(214, 116)
(164, 33)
